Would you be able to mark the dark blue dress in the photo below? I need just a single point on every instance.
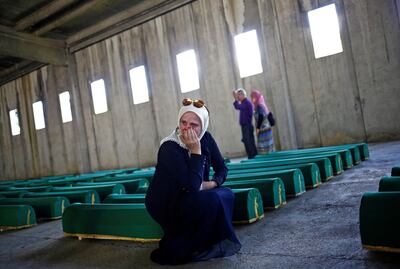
(197, 224)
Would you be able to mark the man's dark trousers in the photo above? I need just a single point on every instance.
(248, 140)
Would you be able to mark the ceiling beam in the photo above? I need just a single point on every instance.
(122, 21)
(67, 17)
(18, 70)
(29, 47)
(42, 14)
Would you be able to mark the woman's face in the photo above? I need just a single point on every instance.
(190, 120)
(254, 99)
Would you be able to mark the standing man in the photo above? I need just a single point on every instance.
(246, 115)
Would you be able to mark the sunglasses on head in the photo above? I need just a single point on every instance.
(196, 102)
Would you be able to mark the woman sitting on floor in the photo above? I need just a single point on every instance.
(194, 212)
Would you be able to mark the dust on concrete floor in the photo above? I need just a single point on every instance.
(319, 229)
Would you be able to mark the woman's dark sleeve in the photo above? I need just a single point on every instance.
(217, 162)
(260, 119)
(188, 174)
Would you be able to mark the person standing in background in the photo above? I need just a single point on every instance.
(245, 119)
(265, 139)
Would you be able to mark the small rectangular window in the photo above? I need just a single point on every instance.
(325, 31)
(99, 96)
(248, 54)
(65, 106)
(188, 71)
(140, 91)
(38, 115)
(14, 122)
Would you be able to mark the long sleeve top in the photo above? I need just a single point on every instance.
(246, 111)
(178, 172)
(259, 116)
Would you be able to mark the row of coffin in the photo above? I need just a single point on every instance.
(380, 215)
(258, 184)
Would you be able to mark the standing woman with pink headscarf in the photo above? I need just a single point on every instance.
(265, 139)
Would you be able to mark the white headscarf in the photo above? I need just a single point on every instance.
(201, 112)
(203, 115)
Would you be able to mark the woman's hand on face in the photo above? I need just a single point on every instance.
(191, 140)
(207, 185)
(257, 131)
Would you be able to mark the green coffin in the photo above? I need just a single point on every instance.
(324, 166)
(248, 206)
(355, 150)
(336, 160)
(396, 171)
(310, 171)
(292, 179)
(380, 221)
(6, 187)
(125, 199)
(32, 189)
(146, 173)
(142, 189)
(344, 154)
(16, 217)
(131, 185)
(87, 197)
(13, 194)
(66, 181)
(103, 190)
(272, 190)
(364, 151)
(389, 183)
(111, 221)
(46, 207)
(355, 154)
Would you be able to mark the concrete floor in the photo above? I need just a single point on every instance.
(316, 230)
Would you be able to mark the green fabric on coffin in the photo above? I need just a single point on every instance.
(6, 187)
(355, 149)
(16, 217)
(310, 171)
(68, 181)
(102, 190)
(131, 186)
(111, 221)
(324, 166)
(125, 199)
(389, 183)
(88, 196)
(13, 194)
(147, 174)
(355, 154)
(380, 221)
(248, 206)
(345, 155)
(395, 171)
(32, 189)
(272, 190)
(336, 160)
(142, 189)
(55, 177)
(292, 179)
(364, 151)
(45, 207)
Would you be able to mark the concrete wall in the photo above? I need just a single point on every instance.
(344, 98)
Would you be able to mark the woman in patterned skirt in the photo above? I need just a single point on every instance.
(265, 139)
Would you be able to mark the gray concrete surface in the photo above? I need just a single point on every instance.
(316, 230)
(355, 92)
